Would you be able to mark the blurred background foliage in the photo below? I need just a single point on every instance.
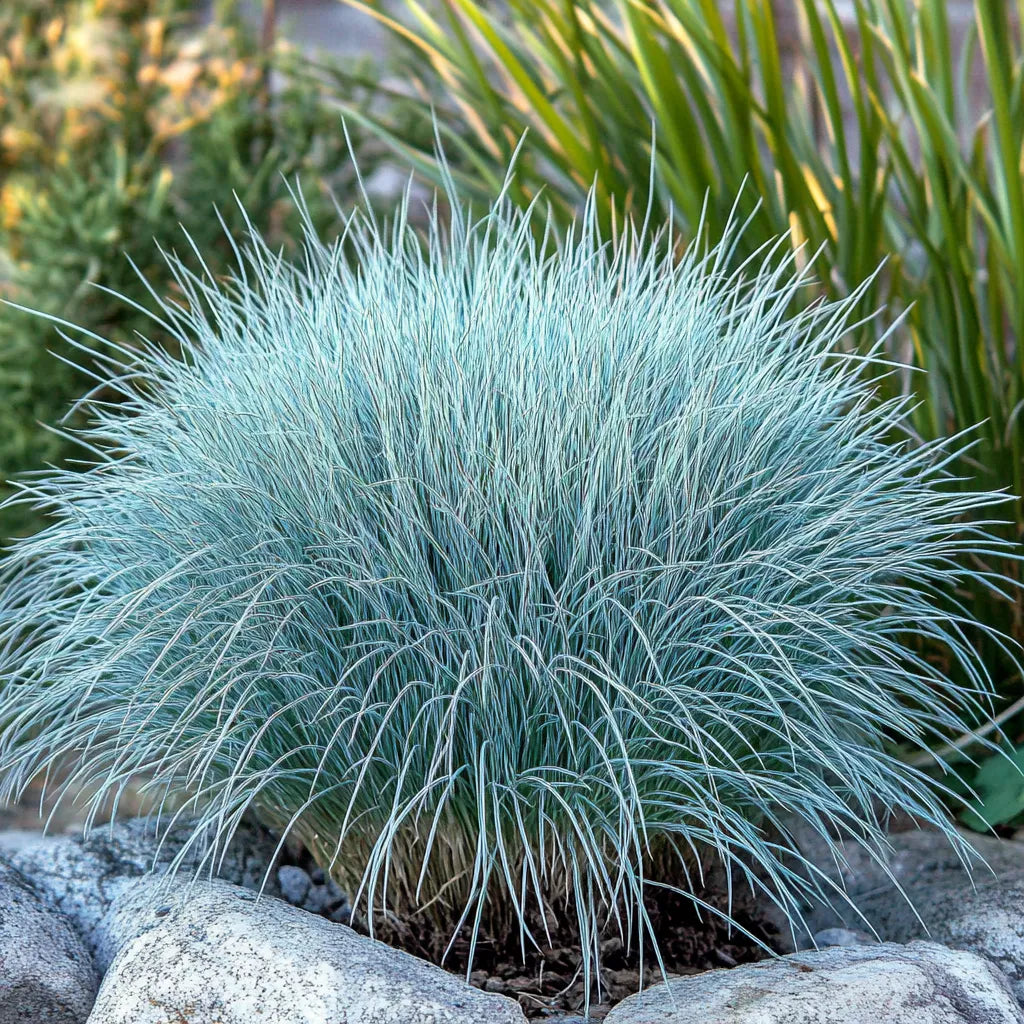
(121, 120)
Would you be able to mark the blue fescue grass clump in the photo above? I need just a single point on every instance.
(502, 579)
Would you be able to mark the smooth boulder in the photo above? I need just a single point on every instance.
(981, 910)
(214, 953)
(47, 975)
(922, 983)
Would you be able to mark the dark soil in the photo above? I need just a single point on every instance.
(551, 981)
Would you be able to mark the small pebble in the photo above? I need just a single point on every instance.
(295, 884)
(341, 914)
(322, 897)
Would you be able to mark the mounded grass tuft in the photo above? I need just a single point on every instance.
(513, 584)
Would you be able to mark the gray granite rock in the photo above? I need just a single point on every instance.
(47, 976)
(213, 953)
(922, 983)
(80, 875)
(317, 892)
(980, 910)
(924, 857)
